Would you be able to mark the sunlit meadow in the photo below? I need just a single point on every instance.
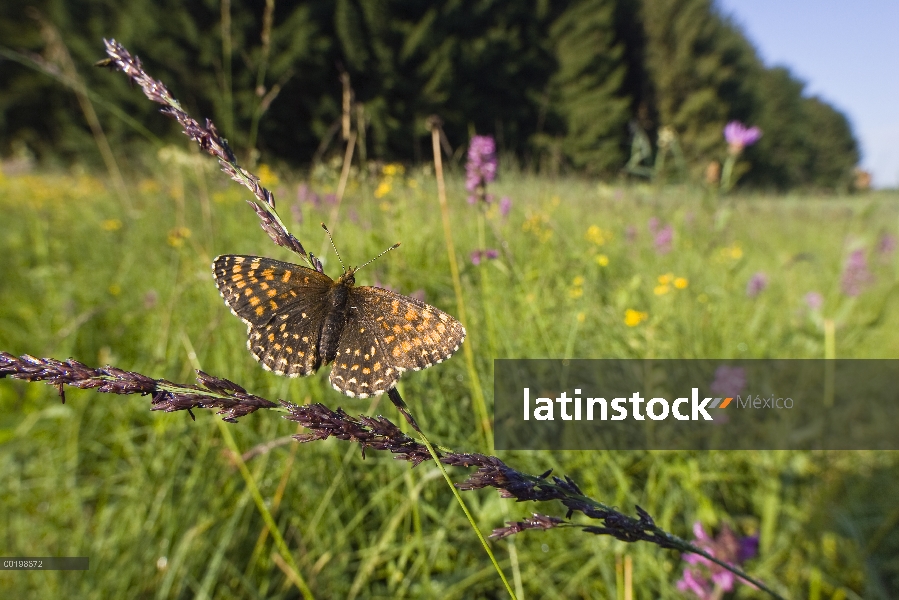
(549, 267)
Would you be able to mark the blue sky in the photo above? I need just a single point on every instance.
(847, 52)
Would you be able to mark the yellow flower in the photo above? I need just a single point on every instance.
(665, 279)
(578, 281)
(392, 169)
(681, 283)
(576, 292)
(111, 225)
(602, 260)
(177, 236)
(632, 317)
(383, 189)
(115, 289)
(734, 252)
(597, 235)
(661, 290)
(581, 317)
(266, 176)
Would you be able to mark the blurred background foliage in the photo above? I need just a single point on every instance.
(561, 86)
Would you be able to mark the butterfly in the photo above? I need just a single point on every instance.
(299, 319)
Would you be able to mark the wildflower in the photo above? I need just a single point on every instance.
(115, 289)
(383, 189)
(267, 177)
(111, 225)
(855, 273)
(661, 290)
(505, 205)
(478, 255)
(663, 239)
(392, 169)
(814, 300)
(666, 278)
(480, 168)
(729, 381)
(632, 317)
(597, 235)
(681, 283)
(739, 136)
(757, 283)
(305, 194)
(707, 580)
(602, 260)
(886, 246)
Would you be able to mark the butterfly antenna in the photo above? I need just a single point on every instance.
(394, 247)
(325, 227)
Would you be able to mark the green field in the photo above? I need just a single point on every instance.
(155, 499)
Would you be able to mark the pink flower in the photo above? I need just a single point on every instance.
(739, 136)
(480, 168)
(478, 255)
(706, 579)
(757, 284)
(814, 300)
(664, 238)
(856, 275)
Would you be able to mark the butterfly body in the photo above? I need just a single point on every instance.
(299, 319)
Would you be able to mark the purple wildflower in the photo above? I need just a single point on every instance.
(706, 579)
(478, 255)
(757, 284)
(663, 239)
(886, 246)
(855, 273)
(305, 194)
(505, 205)
(814, 300)
(739, 136)
(653, 225)
(729, 381)
(480, 168)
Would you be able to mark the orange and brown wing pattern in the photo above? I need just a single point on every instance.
(387, 333)
(283, 305)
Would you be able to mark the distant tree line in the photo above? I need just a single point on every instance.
(560, 85)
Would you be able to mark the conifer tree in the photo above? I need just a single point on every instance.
(586, 88)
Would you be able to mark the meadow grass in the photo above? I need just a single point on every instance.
(156, 502)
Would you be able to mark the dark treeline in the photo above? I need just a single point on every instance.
(561, 85)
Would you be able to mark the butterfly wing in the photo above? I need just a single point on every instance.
(385, 334)
(283, 306)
